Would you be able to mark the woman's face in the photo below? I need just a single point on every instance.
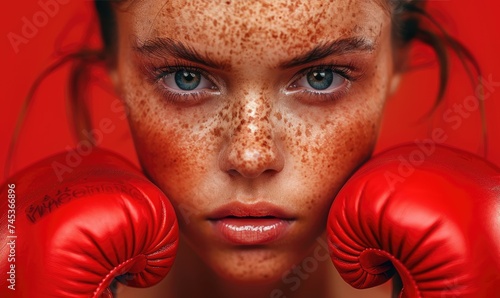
(250, 115)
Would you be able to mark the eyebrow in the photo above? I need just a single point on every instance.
(336, 47)
(164, 47)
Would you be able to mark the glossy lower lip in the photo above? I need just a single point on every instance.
(250, 230)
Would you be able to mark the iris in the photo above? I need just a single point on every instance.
(187, 80)
(320, 79)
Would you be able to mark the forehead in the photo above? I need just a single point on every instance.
(242, 27)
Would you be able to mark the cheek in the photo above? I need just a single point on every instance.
(167, 141)
(171, 156)
(331, 141)
(323, 153)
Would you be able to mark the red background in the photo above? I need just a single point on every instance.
(475, 23)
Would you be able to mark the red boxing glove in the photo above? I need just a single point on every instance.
(71, 231)
(432, 214)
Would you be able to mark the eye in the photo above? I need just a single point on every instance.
(319, 80)
(184, 80)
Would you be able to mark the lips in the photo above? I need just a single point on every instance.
(250, 224)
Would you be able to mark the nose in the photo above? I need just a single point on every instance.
(252, 150)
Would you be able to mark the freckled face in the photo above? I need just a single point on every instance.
(253, 113)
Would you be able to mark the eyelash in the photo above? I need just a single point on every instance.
(156, 74)
(345, 71)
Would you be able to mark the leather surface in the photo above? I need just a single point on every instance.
(103, 219)
(431, 214)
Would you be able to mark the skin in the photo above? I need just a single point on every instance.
(252, 135)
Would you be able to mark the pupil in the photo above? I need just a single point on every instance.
(319, 76)
(188, 76)
(187, 80)
(320, 79)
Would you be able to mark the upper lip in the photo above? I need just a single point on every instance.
(259, 209)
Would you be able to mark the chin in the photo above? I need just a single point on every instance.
(252, 266)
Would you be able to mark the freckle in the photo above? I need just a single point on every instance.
(310, 204)
(217, 132)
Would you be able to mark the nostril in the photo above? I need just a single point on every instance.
(253, 164)
(233, 173)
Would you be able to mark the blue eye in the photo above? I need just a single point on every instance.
(319, 80)
(184, 80)
(187, 80)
